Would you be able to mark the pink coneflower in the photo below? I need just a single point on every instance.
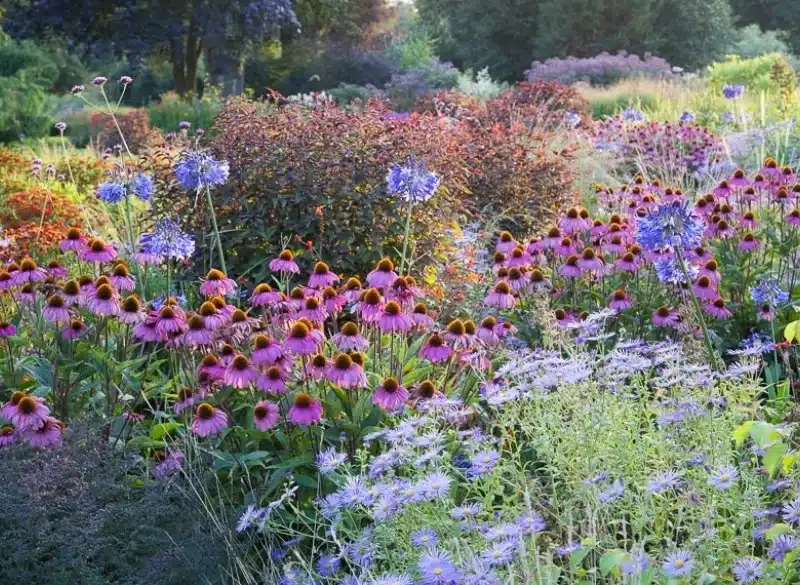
(456, 335)
(748, 220)
(563, 317)
(143, 258)
(760, 181)
(317, 367)
(626, 262)
(7, 329)
(420, 317)
(297, 298)
(788, 175)
(132, 417)
(300, 340)
(535, 246)
(211, 316)
(390, 396)
(717, 308)
(9, 409)
(702, 207)
(208, 420)
(590, 261)
(273, 380)
(749, 242)
(517, 279)
(749, 195)
(31, 412)
(45, 436)
(263, 295)
(146, 330)
(570, 268)
(284, 263)
(211, 365)
(666, 317)
(371, 306)
(572, 222)
(242, 324)
(699, 255)
(767, 312)
(615, 244)
(499, 262)
(305, 411)
(56, 311)
(352, 289)
(537, 281)
(71, 292)
(704, 288)
(350, 338)
(505, 242)
(313, 310)
(131, 312)
(793, 217)
(28, 272)
(434, 350)
(566, 247)
(400, 291)
(265, 350)
(344, 372)
(599, 229)
(104, 302)
(186, 399)
(167, 463)
(87, 288)
(518, 258)
(98, 251)
(197, 334)
(782, 197)
(722, 190)
(74, 241)
(226, 354)
(739, 179)
(486, 331)
(121, 278)
(393, 320)
(239, 374)
(265, 415)
(722, 229)
(500, 297)
(217, 283)
(711, 269)
(169, 321)
(75, 329)
(770, 168)
(26, 294)
(55, 270)
(322, 276)
(383, 276)
(5, 280)
(333, 301)
(620, 300)
(7, 435)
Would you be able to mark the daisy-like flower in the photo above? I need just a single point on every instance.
(74, 329)
(208, 420)
(300, 340)
(46, 435)
(620, 300)
(200, 170)
(217, 283)
(263, 295)
(436, 568)
(383, 276)
(332, 300)
(98, 251)
(121, 278)
(55, 270)
(570, 268)
(74, 241)
(352, 289)
(197, 334)
(7, 435)
(434, 349)
(167, 463)
(483, 462)
(186, 399)
(724, 477)
(345, 373)
(7, 329)
(790, 512)
(748, 570)
(420, 317)
(500, 553)
(322, 277)
(349, 338)
(666, 317)
(265, 415)
(305, 411)
(56, 310)
(717, 308)
(273, 380)
(284, 263)
(211, 365)
(105, 301)
(500, 297)
(664, 481)
(28, 272)
(704, 288)
(317, 367)
(239, 373)
(313, 310)
(265, 350)
(748, 243)
(170, 321)
(393, 320)
(425, 538)
(782, 546)
(330, 460)
(530, 523)
(678, 564)
(390, 395)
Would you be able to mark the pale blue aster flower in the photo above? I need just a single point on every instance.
(330, 460)
(678, 564)
(328, 565)
(436, 568)
(500, 553)
(663, 481)
(782, 546)
(748, 570)
(425, 537)
(613, 492)
(724, 477)
(791, 512)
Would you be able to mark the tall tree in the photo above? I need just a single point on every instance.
(780, 15)
(180, 29)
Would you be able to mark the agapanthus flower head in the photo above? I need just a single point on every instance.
(168, 241)
(672, 225)
(688, 117)
(732, 91)
(199, 170)
(769, 292)
(112, 191)
(305, 410)
(142, 186)
(633, 115)
(412, 181)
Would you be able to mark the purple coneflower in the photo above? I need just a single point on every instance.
(30, 413)
(300, 340)
(717, 308)
(383, 276)
(239, 374)
(211, 316)
(146, 330)
(749, 242)
(121, 278)
(26, 294)
(420, 317)
(169, 321)
(167, 463)
(350, 338)
(370, 306)
(352, 289)
(666, 317)
(333, 301)
(317, 367)
(186, 399)
(505, 243)
(105, 301)
(55, 270)
(208, 420)
(284, 263)
(434, 350)
(500, 297)
(263, 295)
(344, 372)
(390, 396)
(393, 320)
(457, 336)
(98, 251)
(305, 411)
(217, 283)
(265, 350)
(28, 272)
(74, 241)
(74, 329)
(273, 380)
(7, 435)
(313, 310)
(704, 288)
(48, 434)
(265, 415)
(197, 333)
(56, 311)
(570, 268)
(212, 366)
(620, 300)
(322, 276)
(7, 329)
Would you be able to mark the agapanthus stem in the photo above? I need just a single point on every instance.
(405, 239)
(216, 230)
(696, 303)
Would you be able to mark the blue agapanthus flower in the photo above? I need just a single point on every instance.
(769, 292)
(633, 115)
(412, 181)
(112, 191)
(731, 91)
(142, 186)
(688, 117)
(168, 241)
(672, 225)
(198, 170)
(669, 271)
(728, 117)
(572, 118)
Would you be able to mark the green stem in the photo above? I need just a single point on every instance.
(405, 239)
(216, 230)
(706, 337)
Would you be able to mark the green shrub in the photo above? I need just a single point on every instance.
(753, 42)
(753, 73)
(25, 109)
(173, 109)
(480, 84)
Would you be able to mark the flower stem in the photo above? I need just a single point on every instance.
(405, 239)
(706, 337)
(216, 230)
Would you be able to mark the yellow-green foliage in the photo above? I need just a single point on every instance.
(753, 73)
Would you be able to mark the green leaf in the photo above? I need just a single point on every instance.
(161, 429)
(776, 530)
(141, 442)
(576, 558)
(789, 461)
(790, 333)
(611, 559)
(773, 456)
(741, 433)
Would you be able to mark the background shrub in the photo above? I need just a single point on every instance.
(406, 87)
(75, 515)
(173, 109)
(604, 69)
(753, 73)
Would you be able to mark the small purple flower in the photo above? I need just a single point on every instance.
(530, 523)
(412, 181)
(635, 563)
(328, 565)
(142, 186)
(791, 512)
(732, 91)
(111, 191)
(436, 568)
(330, 460)
(613, 492)
(568, 548)
(483, 462)
(425, 537)
(663, 481)
(724, 477)
(500, 553)
(748, 570)
(782, 546)
(198, 170)
(99, 81)
(678, 564)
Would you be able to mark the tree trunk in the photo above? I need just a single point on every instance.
(184, 64)
(225, 69)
